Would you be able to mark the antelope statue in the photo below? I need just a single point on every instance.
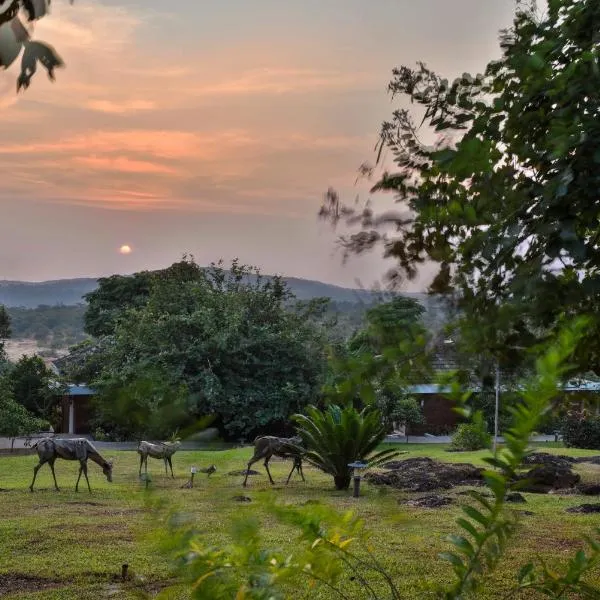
(268, 446)
(163, 450)
(49, 449)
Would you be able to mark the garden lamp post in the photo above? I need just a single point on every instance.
(193, 471)
(357, 466)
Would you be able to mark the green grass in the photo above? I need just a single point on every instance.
(75, 543)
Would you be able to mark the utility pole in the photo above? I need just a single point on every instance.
(496, 409)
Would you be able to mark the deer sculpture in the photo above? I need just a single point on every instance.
(81, 449)
(265, 447)
(162, 450)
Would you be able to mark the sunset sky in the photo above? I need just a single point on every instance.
(211, 128)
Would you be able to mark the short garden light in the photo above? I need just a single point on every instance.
(357, 466)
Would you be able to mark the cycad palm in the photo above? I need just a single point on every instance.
(339, 436)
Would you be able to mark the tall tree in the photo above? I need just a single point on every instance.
(5, 331)
(224, 342)
(15, 419)
(510, 211)
(33, 386)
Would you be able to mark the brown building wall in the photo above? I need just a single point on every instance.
(440, 417)
(83, 413)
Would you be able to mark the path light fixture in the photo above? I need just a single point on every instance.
(193, 471)
(358, 467)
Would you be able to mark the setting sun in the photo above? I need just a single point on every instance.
(125, 249)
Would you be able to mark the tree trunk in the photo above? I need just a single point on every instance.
(12, 445)
(342, 482)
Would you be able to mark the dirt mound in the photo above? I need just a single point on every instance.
(515, 497)
(426, 474)
(543, 458)
(595, 460)
(433, 501)
(589, 489)
(585, 509)
(542, 479)
(11, 583)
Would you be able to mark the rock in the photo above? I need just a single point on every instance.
(433, 501)
(542, 479)
(242, 499)
(585, 509)
(590, 489)
(543, 458)
(526, 513)
(515, 497)
(425, 474)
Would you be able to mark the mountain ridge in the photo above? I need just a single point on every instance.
(70, 292)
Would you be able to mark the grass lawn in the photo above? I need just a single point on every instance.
(65, 545)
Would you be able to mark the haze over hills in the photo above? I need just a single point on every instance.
(52, 312)
(69, 292)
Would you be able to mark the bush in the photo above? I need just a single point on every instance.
(581, 432)
(339, 436)
(472, 436)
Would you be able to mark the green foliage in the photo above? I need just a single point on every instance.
(506, 200)
(34, 386)
(330, 556)
(487, 527)
(148, 403)
(388, 325)
(380, 360)
(5, 331)
(331, 552)
(472, 436)
(5, 324)
(226, 336)
(338, 436)
(56, 326)
(15, 419)
(407, 412)
(580, 431)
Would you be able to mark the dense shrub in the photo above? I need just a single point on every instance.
(471, 436)
(581, 432)
(338, 436)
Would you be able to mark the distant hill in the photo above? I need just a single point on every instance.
(70, 292)
(51, 312)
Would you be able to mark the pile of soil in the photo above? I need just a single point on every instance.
(555, 460)
(433, 501)
(585, 509)
(595, 460)
(544, 478)
(426, 474)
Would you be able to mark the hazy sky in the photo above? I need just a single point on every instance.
(211, 128)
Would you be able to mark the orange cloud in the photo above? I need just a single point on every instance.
(120, 108)
(123, 165)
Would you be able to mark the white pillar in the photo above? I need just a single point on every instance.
(71, 416)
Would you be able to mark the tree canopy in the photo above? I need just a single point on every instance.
(223, 342)
(15, 419)
(506, 200)
(33, 386)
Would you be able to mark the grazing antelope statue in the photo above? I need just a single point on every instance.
(49, 449)
(162, 450)
(268, 446)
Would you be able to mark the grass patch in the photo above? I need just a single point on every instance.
(71, 545)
